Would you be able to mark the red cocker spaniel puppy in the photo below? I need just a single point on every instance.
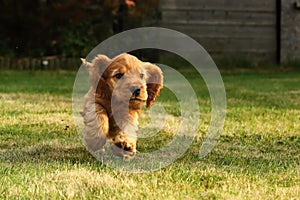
(112, 106)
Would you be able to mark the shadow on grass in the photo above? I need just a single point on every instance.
(253, 155)
(47, 153)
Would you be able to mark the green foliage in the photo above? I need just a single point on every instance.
(58, 27)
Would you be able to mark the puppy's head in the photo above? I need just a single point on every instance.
(125, 78)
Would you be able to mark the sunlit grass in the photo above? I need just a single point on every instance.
(257, 156)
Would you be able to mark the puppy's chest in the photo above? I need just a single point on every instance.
(128, 123)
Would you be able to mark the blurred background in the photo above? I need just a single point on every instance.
(56, 33)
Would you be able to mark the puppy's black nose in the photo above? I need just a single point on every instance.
(135, 90)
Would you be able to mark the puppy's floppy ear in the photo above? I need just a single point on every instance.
(154, 82)
(96, 68)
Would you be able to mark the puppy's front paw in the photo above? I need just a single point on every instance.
(124, 147)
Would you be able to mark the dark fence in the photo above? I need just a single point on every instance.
(226, 29)
(43, 63)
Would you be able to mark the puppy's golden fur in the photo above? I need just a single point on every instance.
(112, 106)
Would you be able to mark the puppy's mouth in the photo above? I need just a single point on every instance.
(137, 99)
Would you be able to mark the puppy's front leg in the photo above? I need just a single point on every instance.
(124, 139)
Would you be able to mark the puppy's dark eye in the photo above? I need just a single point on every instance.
(119, 75)
(142, 76)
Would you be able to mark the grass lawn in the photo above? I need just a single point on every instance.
(257, 157)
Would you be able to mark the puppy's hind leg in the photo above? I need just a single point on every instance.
(96, 127)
